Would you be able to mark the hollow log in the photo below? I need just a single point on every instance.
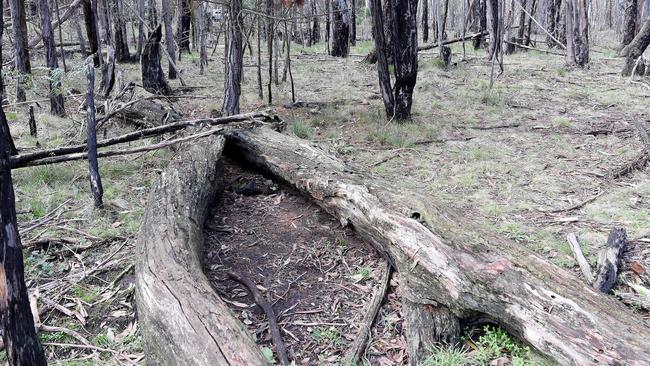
(183, 320)
(446, 259)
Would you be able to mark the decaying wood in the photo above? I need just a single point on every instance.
(427, 325)
(358, 347)
(609, 259)
(153, 78)
(640, 160)
(274, 329)
(580, 258)
(183, 320)
(446, 259)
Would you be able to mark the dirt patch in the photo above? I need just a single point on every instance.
(316, 274)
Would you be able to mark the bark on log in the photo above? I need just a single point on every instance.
(609, 259)
(183, 320)
(445, 259)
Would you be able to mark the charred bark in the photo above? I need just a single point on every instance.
(57, 107)
(425, 21)
(404, 43)
(121, 42)
(629, 22)
(183, 26)
(91, 140)
(153, 78)
(8, 141)
(19, 334)
(341, 31)
(21, 51)
(90, 19)
(446, 259)
(234, 60)
(178, 309)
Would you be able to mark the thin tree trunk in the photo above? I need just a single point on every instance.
(93, 164)
(21, 51)
(533, 11)
(341, 31)
(522, 21)
(90, 18)
(492, 11)
(104, 20)
(353, 23)
(328, 24)
(382, 51)
(19, 333)
(8, 142)
(425, 21)
(58, 18)
(260, 88)
(80, 36)
(183, 26)
(169, 37)
(404, 42)
(577, 33)
(203, 37)
(629, 22)
(270, 32)
(234, 60)
(141, 30)
(56, 95)
(551, 25)
(636, 48)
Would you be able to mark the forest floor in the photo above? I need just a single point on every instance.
(530, 159)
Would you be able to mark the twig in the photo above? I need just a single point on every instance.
(358, 347)
(492, 127)
(577, 205)
(580, 258)
(268, 310)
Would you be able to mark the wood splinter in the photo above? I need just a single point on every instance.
(268, 310)
(358, 347)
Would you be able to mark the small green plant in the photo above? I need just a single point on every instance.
(496, 342)
(362, 274)
(447, 356)
(438, 63)
(562, 122)
(515, 231)
(327, 336)
(302, 130)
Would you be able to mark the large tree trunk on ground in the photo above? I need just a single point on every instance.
(341, 31)
(444, 258)
(234, 60)
(183, 320)
(56, 94)
(153, 78)
(635, 48)
(23, 66)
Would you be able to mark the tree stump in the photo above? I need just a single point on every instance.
(153, 78)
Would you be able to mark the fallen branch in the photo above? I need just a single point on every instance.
(641, 160)
(23, 160)
(490, 127)
(609, 259)
(536, 49)
(270, 315)
(358, 347)
(580, 258)
(451, 41)
(577, 205)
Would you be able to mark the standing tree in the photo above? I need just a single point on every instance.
(552, 10)
(492, 12)
(9, 146)
(141, 31)
(425, 21)
(19, 334)
(183, 26)
(23, 66)
(341, 31)
(120, 39)
(629, 22)
(353, 23)
(404, 52)
(169, 37)
(56, 96)
(93, 164)
(636, 48)
(577, 33)
(153, 78)
(234, 60)
(90, 18)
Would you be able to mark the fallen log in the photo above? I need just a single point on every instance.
(23, 160)
(609, 259)
(445, 259)
(183, 320)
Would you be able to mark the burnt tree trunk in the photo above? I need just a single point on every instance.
(8, 141)
(270, 32)
(635, 48)
(328, 24)
(153, 78)
(91, 140)
(446, 259)
(533, 11)
(120, 40)
(169, 37)
(481, 23)
(152, 16)
(404, 44)
(178, 309)
(90, 19)
(57, 107)
(315, 23)
(629, 22)
(234, 60)
(353, 23)
(183, 26)
(80, 37)
(341, 31)
(522, 21)
(21, 50)
(203, 37)
(577, 33)
(104, 21)
(58, 18)
(552, 8)
(381, 52)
